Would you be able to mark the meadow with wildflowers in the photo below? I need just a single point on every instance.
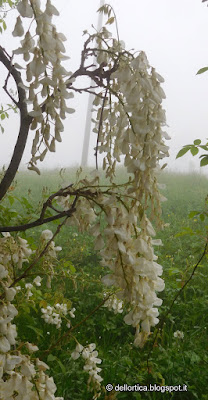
(176, 352)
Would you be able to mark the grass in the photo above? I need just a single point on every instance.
(171, 361)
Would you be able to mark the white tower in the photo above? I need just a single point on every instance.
(86, 142)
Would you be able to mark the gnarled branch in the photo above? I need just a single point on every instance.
(25, 121)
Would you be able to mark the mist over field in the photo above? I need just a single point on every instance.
(173, 35)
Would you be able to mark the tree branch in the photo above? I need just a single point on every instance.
(98, 74)
(25, 121)
(37, 222)
(48, 204)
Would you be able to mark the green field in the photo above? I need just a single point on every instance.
(171, 361)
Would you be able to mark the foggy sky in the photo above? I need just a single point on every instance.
(174, 36)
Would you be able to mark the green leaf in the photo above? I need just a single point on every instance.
(110, 21)
(3, 116)
(186, 231)
(51, 358)
(164, 165)
(194, 357)
(204, 161)
(11, 199)
(72, 269)
(193, 213)
(61, 365)
(174, 271)
(202, 217)
(13, 213)
(26, 203)
(202, 70)
(197, 142)
(204, 147)
(103, 9)
(203, 155)
(36, 330)
(194, 151)
(183, 151)
(127, 360)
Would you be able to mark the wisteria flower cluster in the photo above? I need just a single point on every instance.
(114, 304)
(132, 128)
(90, 356)
(47, 92)
(53, 315)
(12, 251)
(129, 125)
(21, 376)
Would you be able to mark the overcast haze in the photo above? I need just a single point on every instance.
(174, 36)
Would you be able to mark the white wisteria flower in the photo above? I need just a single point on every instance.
(46, 235)
(31, 347)
(37, 281)
(114, 304)
(25, 9)
(178, 334)
(18, 29)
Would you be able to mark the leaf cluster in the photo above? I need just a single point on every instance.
(4, 112)
(194, 150)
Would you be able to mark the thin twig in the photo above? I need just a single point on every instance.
(78, 324)
(86, 90)
(24, 275)
(35, 261)
(99, 128)
(6, 82)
